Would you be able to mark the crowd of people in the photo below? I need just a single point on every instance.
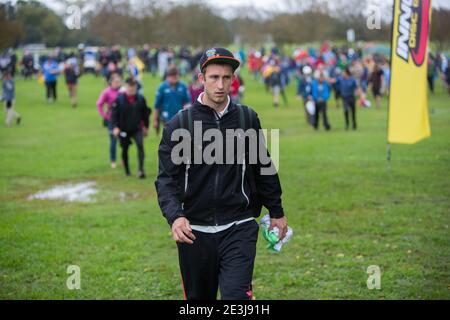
(320, 72)
(316, 73)
(345, 72)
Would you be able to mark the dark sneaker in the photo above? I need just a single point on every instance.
(141, 175)
(18, 120)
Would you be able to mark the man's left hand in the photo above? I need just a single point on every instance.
(282, 226)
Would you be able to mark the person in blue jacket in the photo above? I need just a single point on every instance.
(321, 94)
(336, 76)
(304, 90)
(171, 97)
(349, 89)
(51, 71)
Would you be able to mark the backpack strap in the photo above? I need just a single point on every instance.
(185, 120)
(190, 120)
(251, 117)
(180, 116)
(242, 121)
(247, 117)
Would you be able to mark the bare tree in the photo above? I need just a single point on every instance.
(440, 26)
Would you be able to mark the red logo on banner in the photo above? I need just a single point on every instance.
(413, 28)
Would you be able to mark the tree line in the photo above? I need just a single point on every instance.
(195, 23)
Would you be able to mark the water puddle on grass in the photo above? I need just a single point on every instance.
(71, 192)
(125, 196)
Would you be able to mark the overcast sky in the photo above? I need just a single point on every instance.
(228, 5)
(269, 4)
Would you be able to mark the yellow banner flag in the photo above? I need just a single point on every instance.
(408, 101)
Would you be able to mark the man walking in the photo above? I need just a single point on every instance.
(304, 90)
(130, 119)
(171, 96)
(321, 94)
(376, 79)
(211, 208)
(51, 72)
(109, 96)
(348, 88)
(8, 95)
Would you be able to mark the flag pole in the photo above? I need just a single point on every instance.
(388, 145)
(388, 149)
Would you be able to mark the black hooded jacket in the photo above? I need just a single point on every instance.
(129, 117)
(213, 194)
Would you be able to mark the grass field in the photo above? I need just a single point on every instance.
(348, 207)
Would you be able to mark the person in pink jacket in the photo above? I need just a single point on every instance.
(108, 96)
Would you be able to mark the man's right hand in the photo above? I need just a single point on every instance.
(182, 231)
(116, 132)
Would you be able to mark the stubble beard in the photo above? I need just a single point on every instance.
(216, 100)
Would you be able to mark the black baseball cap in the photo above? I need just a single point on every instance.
(218, 55)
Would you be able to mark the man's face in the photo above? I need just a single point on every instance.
(131, 89)
(321, 77)
(116, 83)
(217, 82)
(173, 79)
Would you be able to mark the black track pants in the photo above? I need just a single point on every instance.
(222, 260)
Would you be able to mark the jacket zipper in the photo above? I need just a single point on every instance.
(216, 180)
(242, 185)
(186, 184)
